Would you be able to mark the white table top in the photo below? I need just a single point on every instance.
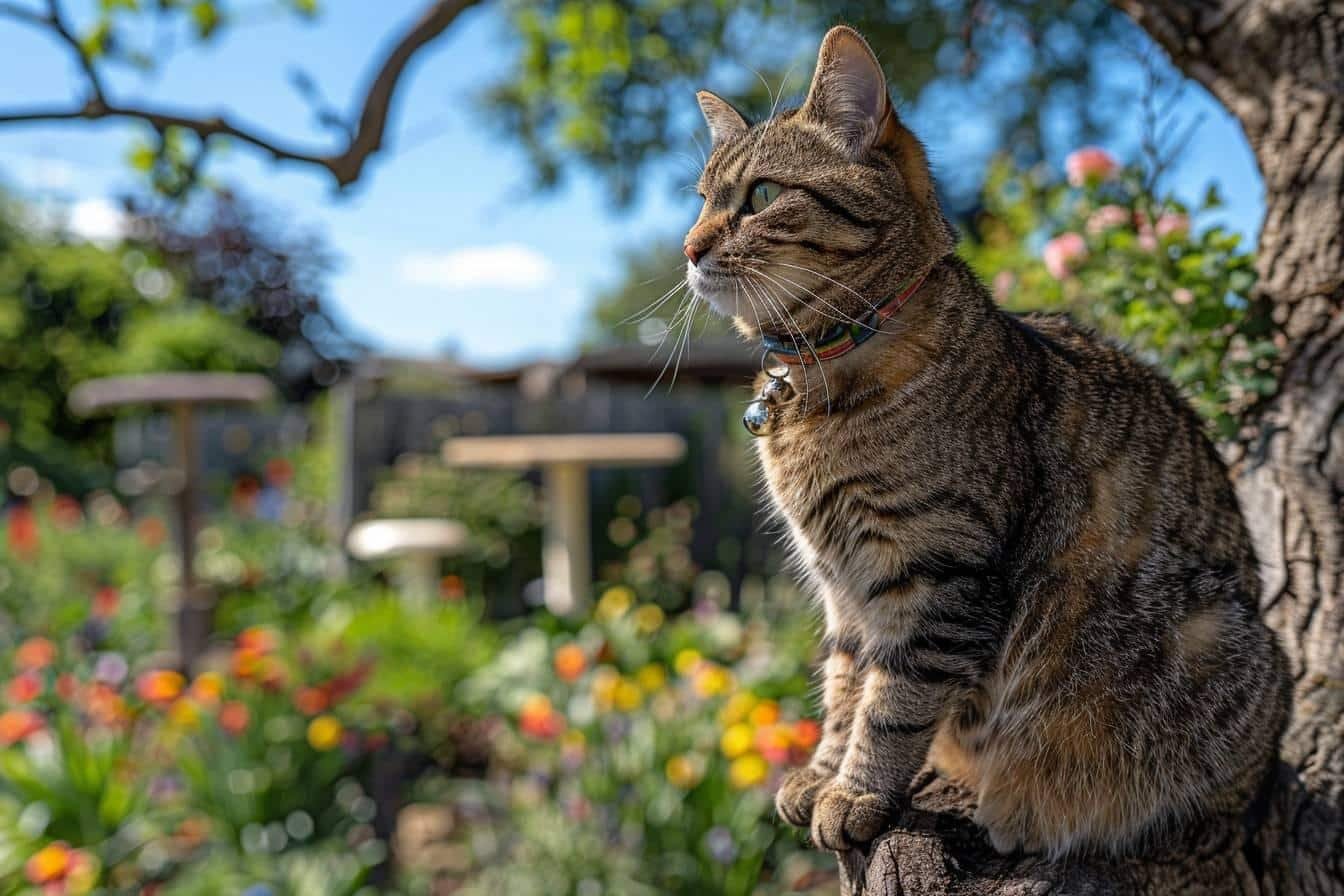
(594, 450)
(375, 539)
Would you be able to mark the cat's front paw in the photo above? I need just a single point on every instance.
(798, 793)
(845, 817)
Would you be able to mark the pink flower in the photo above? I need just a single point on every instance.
(1004, 281)
(1108, 217)
(1172, 223)
(1182, 296)
(1061, 253)
(1089, 165)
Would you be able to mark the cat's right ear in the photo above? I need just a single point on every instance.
(724, 121)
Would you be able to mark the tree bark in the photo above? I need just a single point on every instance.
(1278, 66)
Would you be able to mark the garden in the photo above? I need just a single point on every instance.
(338, 738)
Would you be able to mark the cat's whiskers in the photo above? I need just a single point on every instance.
(787, 320)
(683, 316)
(848, 289)
(650, 309)
(780, 281)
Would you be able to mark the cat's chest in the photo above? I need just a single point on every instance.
(829, 488)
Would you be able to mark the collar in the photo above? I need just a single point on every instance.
(843, 337)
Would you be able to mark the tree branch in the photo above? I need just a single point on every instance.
(345, 166)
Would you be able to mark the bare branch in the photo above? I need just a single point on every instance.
(345, 166)
(58, 24)
(24, 14)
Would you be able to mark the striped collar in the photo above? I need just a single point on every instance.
(843, 337)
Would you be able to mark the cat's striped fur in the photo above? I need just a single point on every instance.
(1031, 561)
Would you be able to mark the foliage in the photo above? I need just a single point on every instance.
(609, 86)
(240, 257)
(235, 295)
(1138, 265)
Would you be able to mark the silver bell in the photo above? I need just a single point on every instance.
(776, 391)
(757, 419)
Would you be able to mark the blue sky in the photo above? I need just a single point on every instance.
(439, 247)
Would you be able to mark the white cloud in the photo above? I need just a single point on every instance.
(97, 220)
(506, 266)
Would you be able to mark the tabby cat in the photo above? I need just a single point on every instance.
(1033, 568)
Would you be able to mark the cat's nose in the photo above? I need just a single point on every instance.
(692, 253)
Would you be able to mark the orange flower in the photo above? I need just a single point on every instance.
(765, 713)
(262, 640)
(105, 706)
(151, 531)
(773, 741)
(35, 653)
(537, 718)
(806, 733)
(18, 725)
(234, 717)
(570, 662)
(66, 686)
(105, 602)
(452, 587)
(49, 864)
(160, 686)
(311, 701)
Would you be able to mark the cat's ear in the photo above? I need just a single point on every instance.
(849, 92)
(724, 121)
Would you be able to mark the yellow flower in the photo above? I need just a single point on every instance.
(686, 661)
(737, 709)
(747, 771)
(765, 713)
(713, 680)
(736, 741)
(627, 696)
(605, 682)
(652, 678)
(184, 714)
(615, 602)
(208, 688)
(324, 733)
(649, 618)
(683, 771)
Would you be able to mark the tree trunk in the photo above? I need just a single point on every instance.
(1278, 66)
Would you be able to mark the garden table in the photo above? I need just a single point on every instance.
(415, 545)
(564, 461)
(182, 393)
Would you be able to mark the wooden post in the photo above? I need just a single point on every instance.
(194, 605)
(566, 561)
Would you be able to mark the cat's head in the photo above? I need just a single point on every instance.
(812, 215)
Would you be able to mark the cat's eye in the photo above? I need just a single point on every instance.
(763, 192)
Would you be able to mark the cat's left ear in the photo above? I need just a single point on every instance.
(724, 121)
(849, 91)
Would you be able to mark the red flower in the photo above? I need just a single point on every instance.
(21, 533)
(262, 640)
(344, 685)
(66, 512)
(35, 654)
(234, 717)
(279, 472)
(311, 701)
(18, 725)
(151, 531)
(24, 687)
(537, 718)
(105, 602)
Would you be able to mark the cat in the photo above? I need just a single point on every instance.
(1031, 563)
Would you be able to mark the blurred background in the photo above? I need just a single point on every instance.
(377, 519)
